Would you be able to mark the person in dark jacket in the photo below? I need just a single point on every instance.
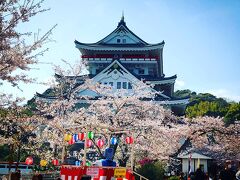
(37, 177)
(16, 175)
(238, 172)
(227, 173)
(199, 175)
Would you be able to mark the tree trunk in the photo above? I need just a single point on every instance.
(63, 153)
(123, 162)
(18, 156)
(10, 159)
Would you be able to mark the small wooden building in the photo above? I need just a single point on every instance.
(193, 161)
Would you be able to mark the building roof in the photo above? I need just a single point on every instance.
(158, 80)
(72, 77)
(147, 78)
(122, 27)
(45, 96)
(193, 156)
(182, 101)
(120, 47)
(122, 32)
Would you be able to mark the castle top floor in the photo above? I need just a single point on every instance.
(125, 46)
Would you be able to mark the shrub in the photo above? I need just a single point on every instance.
(174, 178)
(152, 170)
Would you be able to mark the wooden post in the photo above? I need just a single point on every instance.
(85, 148)
(63, 151)
(132, 157)
(132, 153)
(109, 137)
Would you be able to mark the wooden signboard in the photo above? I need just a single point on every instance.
(120, 172)
(93, 172)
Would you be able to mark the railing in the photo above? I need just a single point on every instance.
(121, 59)
(140, 176)
(128, 57)
(45, 176)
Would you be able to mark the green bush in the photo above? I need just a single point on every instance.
(174, 178)
(152, 171)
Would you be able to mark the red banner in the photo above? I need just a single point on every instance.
(98, 173)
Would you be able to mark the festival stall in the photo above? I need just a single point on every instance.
(96, 173)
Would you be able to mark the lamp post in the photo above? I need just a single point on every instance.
(132, 154)
(66, 138)
(85, 148)
(129, 140)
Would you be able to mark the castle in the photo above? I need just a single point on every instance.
(122, 59)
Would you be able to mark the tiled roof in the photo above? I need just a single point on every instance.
(121, 27)
(118, 45)
(154, 78)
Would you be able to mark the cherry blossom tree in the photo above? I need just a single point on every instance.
(59, 110)
(20, 131)
(17, 49)
(145, 120)
(158, 134)
(215, 139)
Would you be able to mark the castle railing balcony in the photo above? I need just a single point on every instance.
(110, 58)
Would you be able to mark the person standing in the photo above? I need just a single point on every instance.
(199, 175)
(227, 173)
(238, 172)
(181, 176)
(16, 175)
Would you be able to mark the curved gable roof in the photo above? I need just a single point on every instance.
(125, 35)
(122, 31)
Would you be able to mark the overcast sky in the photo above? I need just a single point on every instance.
(202, 38)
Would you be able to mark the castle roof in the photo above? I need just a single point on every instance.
(146, 78)
(122, 38)
(71, 77)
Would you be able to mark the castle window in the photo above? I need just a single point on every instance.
(124, 85)
(129, 85)
(151, 71)
(118, 40)
(97, 71)
(111, 83)
(140, 71)
(93, 70)
(116, 56)
(118, 85)
(124, 41)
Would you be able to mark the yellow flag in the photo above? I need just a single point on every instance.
(198, 163)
